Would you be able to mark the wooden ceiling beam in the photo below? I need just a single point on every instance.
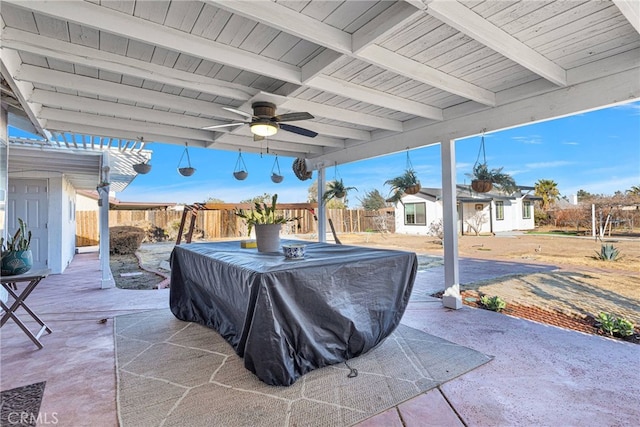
(463, 19)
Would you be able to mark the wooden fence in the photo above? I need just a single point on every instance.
(219, 223)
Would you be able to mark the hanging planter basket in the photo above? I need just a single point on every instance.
(276, 175)
(413, 189)
(188, 170)
(142, 168)
(481, 185)
(240, 172)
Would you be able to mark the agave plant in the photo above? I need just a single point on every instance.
(608, 252)
(336, 190)
(406, 183)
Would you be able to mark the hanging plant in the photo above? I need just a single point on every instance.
(188, 170)
(240, 172)
(407, 183)
(276, 177)
(484, 179)
(336, 189)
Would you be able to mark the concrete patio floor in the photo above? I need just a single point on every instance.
(541, 375)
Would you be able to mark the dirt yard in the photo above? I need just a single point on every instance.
(582, 285)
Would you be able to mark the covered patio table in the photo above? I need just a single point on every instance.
(288, 317)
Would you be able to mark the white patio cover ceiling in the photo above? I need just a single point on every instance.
(378, 76)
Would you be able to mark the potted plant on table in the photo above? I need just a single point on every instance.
(484, 179)
(336, 190)
(16, 253)
(407, 183)
(267, 224)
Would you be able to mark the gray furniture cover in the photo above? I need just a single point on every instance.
(288, 317)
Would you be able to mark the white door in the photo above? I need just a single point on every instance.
(27, 199)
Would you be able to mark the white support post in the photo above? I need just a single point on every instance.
(322, 212)
(103, 193)
(451, 298)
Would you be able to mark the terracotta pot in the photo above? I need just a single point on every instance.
(16, 262)
(481, 185)
(268, 237)
(413, 189)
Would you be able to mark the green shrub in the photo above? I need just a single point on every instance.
(614, 326)
(494, 303)
(608, 253)
(125, 239)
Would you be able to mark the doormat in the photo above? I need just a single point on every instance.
(21, 405)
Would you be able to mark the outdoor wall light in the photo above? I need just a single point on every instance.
(264, 128)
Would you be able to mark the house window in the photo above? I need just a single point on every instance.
(526, 209)
(415, 214)
(500, 211)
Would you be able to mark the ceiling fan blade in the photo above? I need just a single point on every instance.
(291, 117)
(298, 130)
(224, 126)
(257, 137)
(242, 113)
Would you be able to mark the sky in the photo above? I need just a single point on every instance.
(597, 151)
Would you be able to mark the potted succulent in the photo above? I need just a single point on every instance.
(267, 224)
(407, 183)
(16, 253)
(484, 179)
(336, 190)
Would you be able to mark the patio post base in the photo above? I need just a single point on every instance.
(454, 302)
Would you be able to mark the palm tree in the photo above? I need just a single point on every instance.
(634, 190)
(548, 190)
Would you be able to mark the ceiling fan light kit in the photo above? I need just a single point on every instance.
(264, 128)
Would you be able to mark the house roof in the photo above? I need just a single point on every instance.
(464, 193)
(115, 204)
(378, 76)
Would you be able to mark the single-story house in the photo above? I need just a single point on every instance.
(44, 177)
(489, 212)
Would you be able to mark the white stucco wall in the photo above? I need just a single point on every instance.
(84, 203)
(512, 216)
(433, 212)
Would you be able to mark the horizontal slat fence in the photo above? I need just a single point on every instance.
(220, 223)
